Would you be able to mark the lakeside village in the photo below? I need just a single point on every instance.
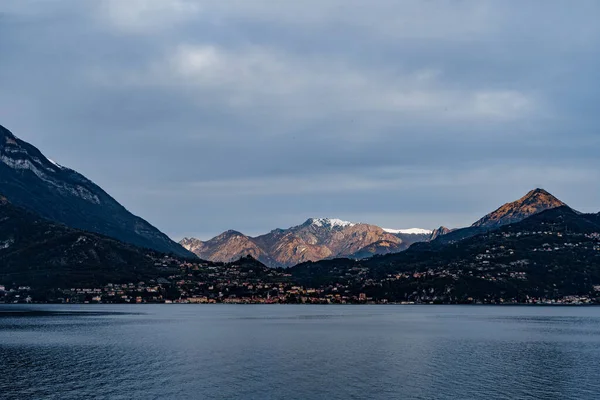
(248, 282)
(265, 293)
(153, 293)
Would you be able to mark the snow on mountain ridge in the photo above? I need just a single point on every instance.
(330, 222)
(410, 231)
(55, 163)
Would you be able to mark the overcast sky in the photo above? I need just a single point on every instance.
(203, 116)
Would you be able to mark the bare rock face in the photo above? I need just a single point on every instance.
(30, 180)
(534, 202)
(323, 238)
(441, 231)
(314, 240)
(227, 247)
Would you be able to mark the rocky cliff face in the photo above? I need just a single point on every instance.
(29, 180)
(534, 202)
(314, 240)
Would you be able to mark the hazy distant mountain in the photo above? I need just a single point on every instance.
(30, 180)
(316, 239)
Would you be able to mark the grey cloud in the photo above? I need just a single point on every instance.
(203, 116)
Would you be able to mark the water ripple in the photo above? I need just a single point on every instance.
(299, 352)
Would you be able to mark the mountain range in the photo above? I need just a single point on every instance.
(57, 229)
(548, 255)
(316, 239)
(326, 238)
(30, 180)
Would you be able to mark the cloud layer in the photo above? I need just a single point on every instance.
(203, 116)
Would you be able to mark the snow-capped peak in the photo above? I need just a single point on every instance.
(330, 222)
(411, 231)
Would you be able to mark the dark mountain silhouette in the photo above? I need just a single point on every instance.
(30, 180)
(41, 253)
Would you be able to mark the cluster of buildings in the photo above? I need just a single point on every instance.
(246, 282)
(17, 294)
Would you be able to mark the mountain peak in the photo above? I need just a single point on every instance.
(6, 133)
(328, 223)
(535, 201)
(536, 192)
(539, 197)
(231, 232)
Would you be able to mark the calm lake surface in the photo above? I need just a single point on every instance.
(299, 352)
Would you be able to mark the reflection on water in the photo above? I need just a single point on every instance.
(299, 352)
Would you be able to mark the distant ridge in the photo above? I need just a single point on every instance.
(327, 238)
(316, 239)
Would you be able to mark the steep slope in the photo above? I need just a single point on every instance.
(535, 201)
(41, 253)
(315, 239)
(30, 180)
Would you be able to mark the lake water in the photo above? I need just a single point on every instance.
(299, 352)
